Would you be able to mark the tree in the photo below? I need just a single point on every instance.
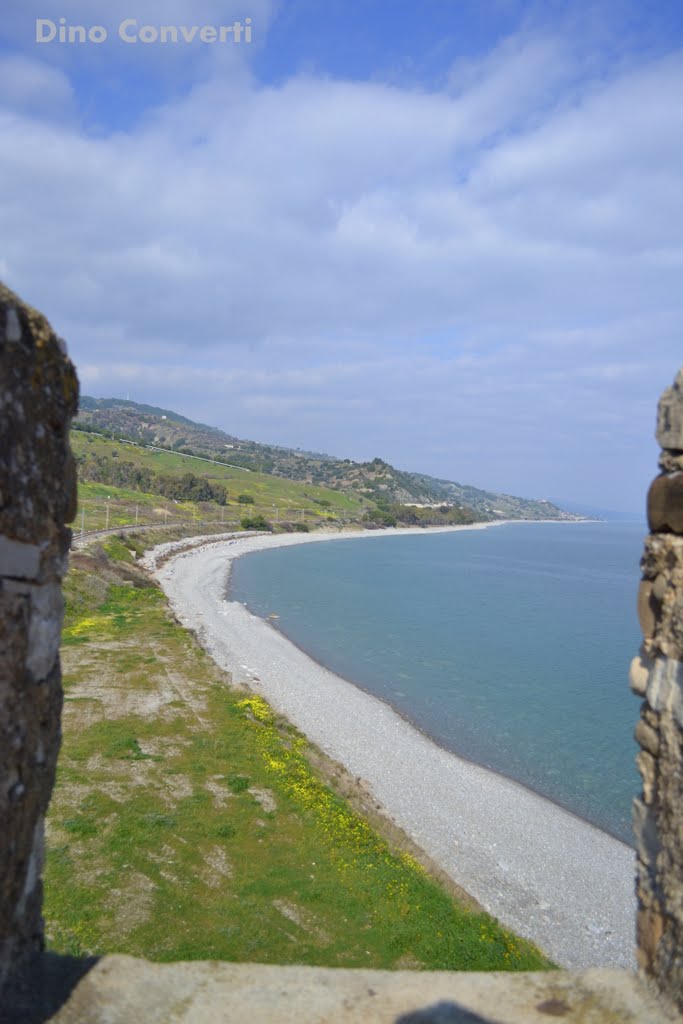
(381, 517)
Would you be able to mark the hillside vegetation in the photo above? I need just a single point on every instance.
(352, 489)
(122, 483)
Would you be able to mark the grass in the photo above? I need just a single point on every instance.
(269, 492)
(188, 821)
(102, 505)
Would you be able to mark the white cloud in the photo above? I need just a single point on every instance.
(322, 197)
(33, 87)
(382, 252)
(515, 82)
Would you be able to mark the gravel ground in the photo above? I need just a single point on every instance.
(567, 886)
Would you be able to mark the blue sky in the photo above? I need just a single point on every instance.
(444, 233)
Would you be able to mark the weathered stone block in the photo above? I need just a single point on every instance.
(662, 555)
(638, 674)
(662, 565)
(659, 587)
(675, 617)
(665, 687)
(647, 737)
(665, 503)
(649, 931)
(18, 559)
(670, 462)
(38, 397)
(647, 766)
(645, 831)
(670, 416)
(647, 616)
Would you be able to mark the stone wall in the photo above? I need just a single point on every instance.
(657, 676)
(38, 397)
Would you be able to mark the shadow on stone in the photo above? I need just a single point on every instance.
(442, 1013)
(43, 988)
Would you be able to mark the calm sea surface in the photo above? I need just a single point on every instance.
(508, 646)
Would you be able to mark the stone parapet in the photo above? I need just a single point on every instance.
(121, 989)
(38, 397)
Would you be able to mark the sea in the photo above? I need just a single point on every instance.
(508, 646)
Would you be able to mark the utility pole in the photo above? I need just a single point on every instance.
(136, 515)
(107, 523)
(83, 519)
(165, 515)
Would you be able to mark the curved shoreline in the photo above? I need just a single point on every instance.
(423, 732)
(540, 869)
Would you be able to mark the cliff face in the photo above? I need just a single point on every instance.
(38, 397)
(657, 676)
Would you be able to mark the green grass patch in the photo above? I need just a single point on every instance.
(116, 549)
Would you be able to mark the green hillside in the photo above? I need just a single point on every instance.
(153, 443)
(121, 484)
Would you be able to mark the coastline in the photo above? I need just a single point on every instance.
(549, 875)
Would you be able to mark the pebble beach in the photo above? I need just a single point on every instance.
(542, 871)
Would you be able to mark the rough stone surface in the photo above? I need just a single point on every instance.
(658, 815)
(122, 990)
(647, 609)
(661, 617)
(670, 461)
(38, 396)
(639, 673)
(670, 416)
(665, 503)
(647, 737)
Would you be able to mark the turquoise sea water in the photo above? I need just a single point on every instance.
(509, 646)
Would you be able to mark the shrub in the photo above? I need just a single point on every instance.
(255, 523)
(238, 783)
(226, 831)
(380, 517)
(245, 499)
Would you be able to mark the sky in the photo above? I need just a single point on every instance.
(446, 233)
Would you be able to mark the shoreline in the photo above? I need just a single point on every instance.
(404, 715)
(418, 728)
(543, 871)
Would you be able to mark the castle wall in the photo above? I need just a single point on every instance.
(657, 677)
(38, 396)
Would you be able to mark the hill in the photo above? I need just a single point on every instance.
(379, 484)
